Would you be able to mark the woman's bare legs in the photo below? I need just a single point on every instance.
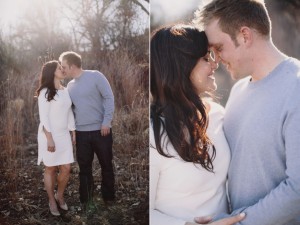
(62, 181)
(49, 180)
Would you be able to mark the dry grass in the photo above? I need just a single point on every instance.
(23, 199)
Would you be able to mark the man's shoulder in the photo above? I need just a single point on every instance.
(92, 72)
(70, 84)
(293, 66)
(294, 61)
(94, 75)
(291, 78)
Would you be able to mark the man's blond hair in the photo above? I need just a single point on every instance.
(233, 14)
(72, 58)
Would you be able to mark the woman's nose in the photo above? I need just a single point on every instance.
(214, 64)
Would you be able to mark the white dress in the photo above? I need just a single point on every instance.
(180, 191)
(57, 117)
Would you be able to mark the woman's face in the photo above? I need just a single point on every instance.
(202, 76)
(58, 74)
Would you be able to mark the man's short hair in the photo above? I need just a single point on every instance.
(72, 58)
(233, 14)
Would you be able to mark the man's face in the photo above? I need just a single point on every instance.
(226, 50)
(67, 70)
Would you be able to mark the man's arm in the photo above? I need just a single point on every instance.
(107, 94)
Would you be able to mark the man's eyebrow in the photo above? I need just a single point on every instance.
(214, 44)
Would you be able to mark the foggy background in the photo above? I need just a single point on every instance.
(112, 36)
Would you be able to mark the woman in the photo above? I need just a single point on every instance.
(54, 139)
(189, 155)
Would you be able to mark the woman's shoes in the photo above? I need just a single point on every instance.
(54, 212)
(62, 206)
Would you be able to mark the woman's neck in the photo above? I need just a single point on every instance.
(207, 105)
(57, 84)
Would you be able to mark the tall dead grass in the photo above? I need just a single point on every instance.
(129, 82)
(19, 121)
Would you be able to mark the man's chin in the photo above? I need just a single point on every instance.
(233, 77)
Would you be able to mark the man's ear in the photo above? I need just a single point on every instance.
(246, 35)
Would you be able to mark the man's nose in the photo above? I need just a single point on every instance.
(217, 58)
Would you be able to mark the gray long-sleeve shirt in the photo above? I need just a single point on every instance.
(262, 127)
(93, 101)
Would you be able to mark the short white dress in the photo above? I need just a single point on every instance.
(57, 117)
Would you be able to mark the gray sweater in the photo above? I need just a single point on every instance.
(262, 127)
(93, 101)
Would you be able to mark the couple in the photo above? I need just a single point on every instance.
(189, 154)
(92, 100)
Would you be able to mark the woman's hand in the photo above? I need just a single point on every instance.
(50, 142)
(51, 145)
(227, 221)
(73, 137)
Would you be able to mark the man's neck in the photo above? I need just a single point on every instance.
(267, 58)
(78, 73)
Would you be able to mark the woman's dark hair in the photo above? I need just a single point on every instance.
(175, 51)
(47, 80)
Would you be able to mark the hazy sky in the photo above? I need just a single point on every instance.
(12, 10)
(165, 11)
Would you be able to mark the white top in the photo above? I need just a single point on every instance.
(180, 191)
(57, 117)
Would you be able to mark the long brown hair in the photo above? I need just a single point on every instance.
(47, 80)
(175, 51)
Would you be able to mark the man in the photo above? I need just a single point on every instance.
(93, 106)
(262, 119)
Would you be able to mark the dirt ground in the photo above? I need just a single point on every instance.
(23, 199)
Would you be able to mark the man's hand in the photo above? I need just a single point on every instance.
(105, 130)
(226, 221)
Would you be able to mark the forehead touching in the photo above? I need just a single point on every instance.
(215, 35)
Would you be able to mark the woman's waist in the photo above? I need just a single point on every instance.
(194, 205)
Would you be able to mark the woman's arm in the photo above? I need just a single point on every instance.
(44, 110)
(71, 125)
(50, 141)
(157, 217)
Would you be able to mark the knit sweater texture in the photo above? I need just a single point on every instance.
(262, 127)
(93, 100)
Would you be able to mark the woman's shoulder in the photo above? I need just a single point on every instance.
(64, 89)
(165, 143)
(43, 92)
(215, 107)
